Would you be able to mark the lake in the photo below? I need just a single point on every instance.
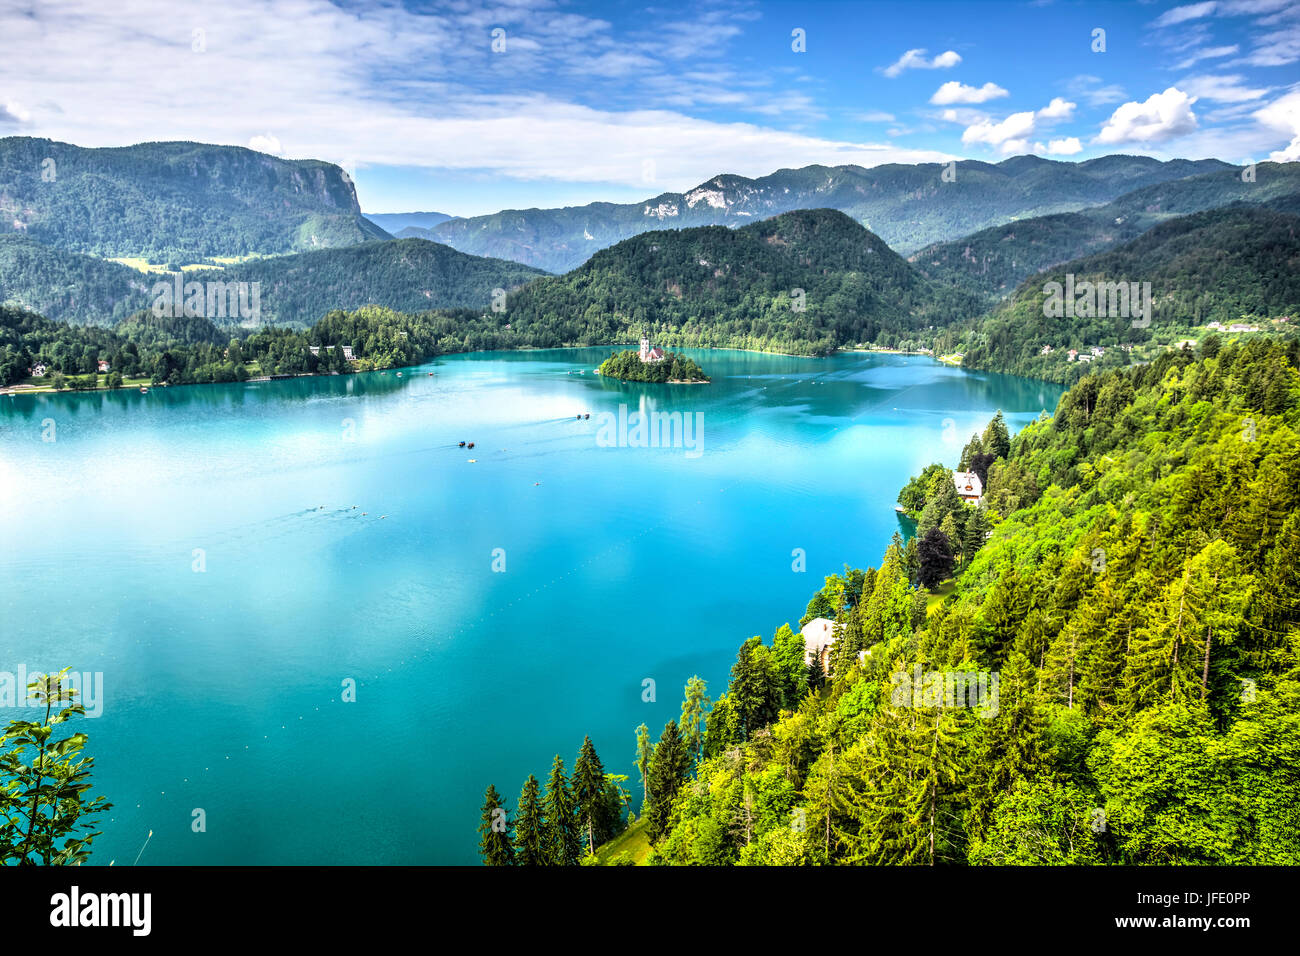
(229, 556)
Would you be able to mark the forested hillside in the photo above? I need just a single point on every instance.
(908, 206)
(186, 351)
(175, 202)
(411, 274)
(714, 286)
(1133, 622)
(1225, 265)
(992, 262)
(69, 286)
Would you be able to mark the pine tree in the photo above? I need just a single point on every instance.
(996, 440)
(668, 768)
(753, 689)
(494, 832)
(563, 845)
(589, 794)
(909, 768)
(530, 827)
(1008, 744)
(1199, 613)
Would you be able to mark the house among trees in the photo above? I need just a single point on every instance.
(969, 487)
(649, 354)
(37, 370)
(103, 366)
(818, 636)
(347, 350)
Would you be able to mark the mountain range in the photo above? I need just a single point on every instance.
(907, 206)
(403, 224)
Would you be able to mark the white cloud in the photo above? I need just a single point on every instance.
(1284, 115)
(13, 114)
(1222, 89)
(1163, 116)
(266, 144)
(1012, 135)
(874, 116)
(384, 85)
(1058, 109)
(1060, 147)
(954, 92)
(915, 60)
(1009, 135)
(1191, 11)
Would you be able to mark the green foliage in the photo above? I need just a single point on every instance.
(1139, 610)
(46, 813)
(494, 832)
(672, 368)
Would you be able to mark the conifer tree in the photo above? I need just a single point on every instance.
(668, 768)
(530, 827)
(589, 794)
(562, 842)
(494, 832)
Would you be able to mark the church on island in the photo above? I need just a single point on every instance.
(649, 354)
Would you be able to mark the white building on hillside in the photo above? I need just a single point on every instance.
(968, 484)
(818, 636)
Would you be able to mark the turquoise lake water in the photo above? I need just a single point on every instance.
(342, 534)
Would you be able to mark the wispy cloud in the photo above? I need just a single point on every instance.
(916, 60)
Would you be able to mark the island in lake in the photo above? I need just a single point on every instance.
(653, 364)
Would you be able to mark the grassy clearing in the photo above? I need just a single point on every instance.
(632, 841)
(141, 264)
(936, 596)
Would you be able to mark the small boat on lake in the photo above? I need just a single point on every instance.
(471, 445)
(462, 445)
(144, 389)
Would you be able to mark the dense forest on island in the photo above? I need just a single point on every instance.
(671, 368)
(1137, 602)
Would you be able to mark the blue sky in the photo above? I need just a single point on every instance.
(469, 108)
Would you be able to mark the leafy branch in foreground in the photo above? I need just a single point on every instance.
(47, 816)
